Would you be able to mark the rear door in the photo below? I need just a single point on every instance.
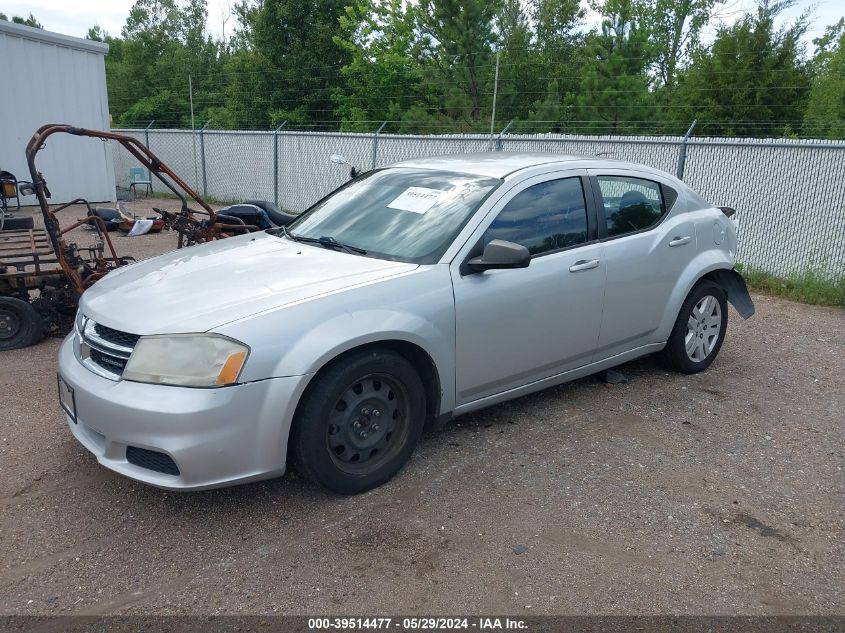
(514, 327)
(645, 250)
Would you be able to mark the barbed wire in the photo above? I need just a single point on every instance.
(582, 126)
(320, 114)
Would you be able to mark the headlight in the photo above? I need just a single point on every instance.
(186, 360)
(79, 321)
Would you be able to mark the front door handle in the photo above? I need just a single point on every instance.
(680, 241)
(584, 264)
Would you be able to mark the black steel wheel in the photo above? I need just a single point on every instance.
(359, 421)
(368, 423)
(20, 325)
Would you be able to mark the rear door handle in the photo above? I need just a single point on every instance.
(584, 264)
(680, 241)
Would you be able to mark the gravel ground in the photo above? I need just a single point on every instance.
(720, 493)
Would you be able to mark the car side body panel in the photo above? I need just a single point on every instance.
(648, 277)
(642, 269)
(557, 379)
(300, 339)
(514, 327)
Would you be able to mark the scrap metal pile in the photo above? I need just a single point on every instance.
(42, 274)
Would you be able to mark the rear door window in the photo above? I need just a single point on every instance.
(630, 204)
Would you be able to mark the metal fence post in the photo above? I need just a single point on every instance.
(202, 160)
(498, 147)
(375, 144)
(147, 145)
(147, 134)
(276, 162)
(682, 153)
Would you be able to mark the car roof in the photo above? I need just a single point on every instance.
(493, 164)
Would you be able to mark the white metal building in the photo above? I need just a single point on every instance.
(54, 78)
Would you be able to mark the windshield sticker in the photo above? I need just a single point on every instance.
(417, 199)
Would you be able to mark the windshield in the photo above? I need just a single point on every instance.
(399, 213)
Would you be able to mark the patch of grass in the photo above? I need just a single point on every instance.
(167, 195)
(811, 286)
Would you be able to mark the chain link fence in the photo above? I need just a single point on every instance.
(789, 194)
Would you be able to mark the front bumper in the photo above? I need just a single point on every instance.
(216, 437)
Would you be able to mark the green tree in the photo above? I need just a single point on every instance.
(150, 40)
(825, 114)
(674, 29)
(163, 106)
(246, 96)
(560, 41)
(163, 44)
(520, 80)
(28, 21)
(551, 71)
(114, 60)
(382, 80)
(752, 81)
(614, 94)
(547, 114)
(460, 37)
(295, 38)
(96, 34)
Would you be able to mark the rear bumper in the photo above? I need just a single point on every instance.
(216, 437)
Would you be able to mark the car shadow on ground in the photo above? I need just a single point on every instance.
(294, 491)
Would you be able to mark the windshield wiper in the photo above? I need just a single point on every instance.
(326, 241)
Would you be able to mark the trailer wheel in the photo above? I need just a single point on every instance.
(20, 325)
(16, 223)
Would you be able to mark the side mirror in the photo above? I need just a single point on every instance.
(500, 254)
(340, 159)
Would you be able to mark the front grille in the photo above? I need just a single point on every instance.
(115, 336)
(114, 364)
(151, 460)
(105, 351)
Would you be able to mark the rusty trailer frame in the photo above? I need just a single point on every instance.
(42, 275)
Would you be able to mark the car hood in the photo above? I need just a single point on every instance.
(202, 287)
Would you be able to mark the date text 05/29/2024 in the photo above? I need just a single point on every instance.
(417, 624)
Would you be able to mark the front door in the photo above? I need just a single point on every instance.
(517, 326)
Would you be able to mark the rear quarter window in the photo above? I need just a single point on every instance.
(630, 204)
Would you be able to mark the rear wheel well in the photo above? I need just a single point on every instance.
(734, 287)
(415, 355)
(713, 275)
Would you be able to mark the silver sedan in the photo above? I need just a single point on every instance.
(410, 295)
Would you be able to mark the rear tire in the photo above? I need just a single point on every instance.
(359, 421)
(699, 331)
(20, 325)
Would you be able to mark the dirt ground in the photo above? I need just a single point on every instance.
(720, 493)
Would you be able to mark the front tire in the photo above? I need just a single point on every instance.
(699, 331)
(359, 421)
